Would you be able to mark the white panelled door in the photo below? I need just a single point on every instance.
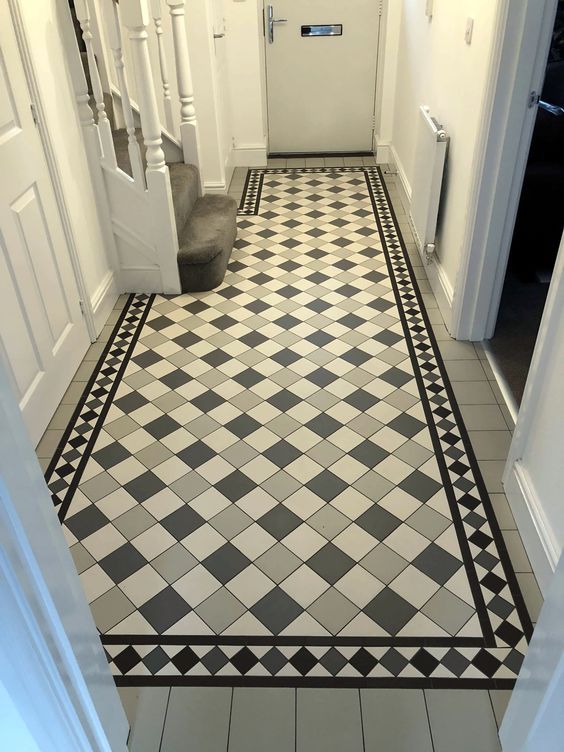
(42, 330)
(321, 74)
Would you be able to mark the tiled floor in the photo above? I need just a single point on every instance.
(489, 428)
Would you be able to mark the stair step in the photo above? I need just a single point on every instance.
(185, 187)
(206, 242)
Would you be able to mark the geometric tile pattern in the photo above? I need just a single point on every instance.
(272, 481)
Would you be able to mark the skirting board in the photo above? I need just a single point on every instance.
(251, 155)
(103, 300)
(440, 283)
(384, 154)
(538, 539)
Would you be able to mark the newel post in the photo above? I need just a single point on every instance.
(136, 18)
(83, 15)
(188, 123)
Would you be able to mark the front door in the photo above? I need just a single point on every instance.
(42, 330)
(321, 74)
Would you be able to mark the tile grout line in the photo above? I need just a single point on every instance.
(230, 720)
(361, 720)
(429, 720)
(164, 721)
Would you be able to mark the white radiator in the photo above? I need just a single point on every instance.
(430, 156)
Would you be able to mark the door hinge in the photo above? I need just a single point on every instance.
(81, 306)
(34, 115)
(380, 7)
(534, 99)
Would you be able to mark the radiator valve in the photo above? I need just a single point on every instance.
(429, 252)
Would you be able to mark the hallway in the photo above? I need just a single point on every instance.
(265, 467)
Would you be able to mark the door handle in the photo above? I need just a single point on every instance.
(271, 22)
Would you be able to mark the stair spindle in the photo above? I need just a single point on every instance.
(188, 123)
(114, 34)
(83, 15)
(167, 101)
(135, 16)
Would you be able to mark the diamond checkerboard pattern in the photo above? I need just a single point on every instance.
(279, 459)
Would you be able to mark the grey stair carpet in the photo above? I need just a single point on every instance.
(206, 226)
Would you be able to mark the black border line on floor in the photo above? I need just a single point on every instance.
(504, 557)
(318, 682)
(468, 561)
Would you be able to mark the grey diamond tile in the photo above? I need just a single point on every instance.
(280, 521)
(220, 610)
(326, 485)
(282, 453)
(82, 559)
(231, 521)
(390, 611)
(448, 611)
(164, 609)
(281, 485)
(419, 485)
(134, 521)
(333, 611)
(329, 522)
(182, 522)
(111, 455)
(226, 563)
(437, 563)
(276, 610)
(378, 522)
(369, 453)
(278, 562)
(235, 485)
(111, 608)
(331, 563)
(144, 486)
(122, 562)
(99, 486)
(428, 522)
(239, 454)
(87, 521)
(384, 563)
(153, 455)
(173, 563)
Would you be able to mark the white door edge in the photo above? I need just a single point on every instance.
(517, 67)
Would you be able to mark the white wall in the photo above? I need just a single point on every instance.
(245, 60)
(43, 21)
(437, 68)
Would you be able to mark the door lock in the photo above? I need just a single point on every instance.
(271, 22)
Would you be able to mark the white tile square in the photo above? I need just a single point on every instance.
(127, 470)
(351, 503)
(303, 439)
(407, 542)
(196, 586)
(259, 469)
(253, 541)
(359, 586)
(303, 469)
(143, 585)
(215, 470)
(304, 541)
(414, 586)
(250, 585)
(203, 542)
(348, 469)
(170, 470)
(304, 586)
(209, 503)
(115, 503)
(256, 503)
(304, 503)
(355, 541)
(153, 542)
(163, 503)
(103, 541)
(399, 503)
(394, 469)
(346, 439)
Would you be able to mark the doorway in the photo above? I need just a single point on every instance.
(537, 234)
(321, 75)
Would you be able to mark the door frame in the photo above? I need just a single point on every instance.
(26, 56)
(380, 36)
(518, 65)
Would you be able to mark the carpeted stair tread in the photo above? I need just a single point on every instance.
(206, 242)
(121, 141)
(185, 187)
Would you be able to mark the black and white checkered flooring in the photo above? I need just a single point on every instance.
(270, 482)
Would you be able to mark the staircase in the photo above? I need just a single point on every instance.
(168, 237)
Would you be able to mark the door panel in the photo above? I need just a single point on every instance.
(42, 330)
(321, 89)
